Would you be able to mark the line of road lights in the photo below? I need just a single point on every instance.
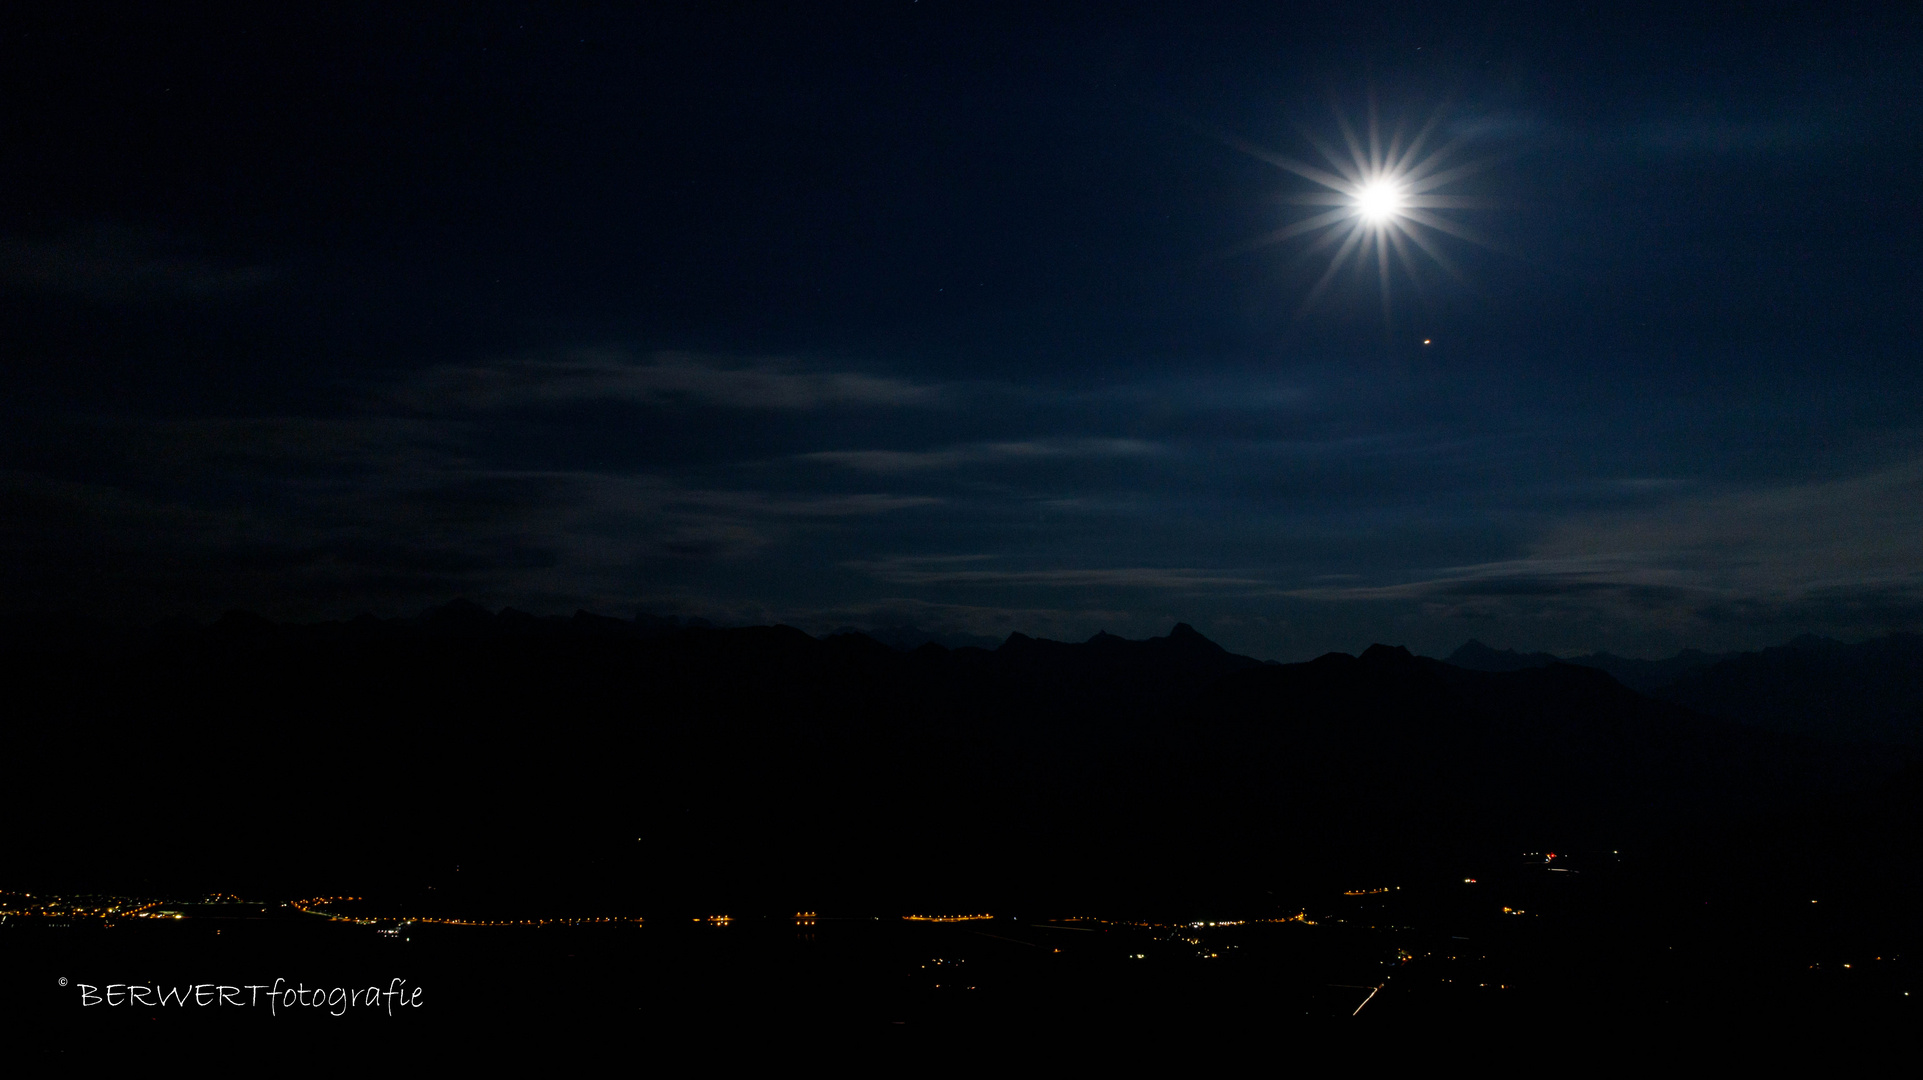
(311, 906)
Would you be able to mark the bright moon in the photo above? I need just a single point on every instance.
(1379, 200)
(1380, 197)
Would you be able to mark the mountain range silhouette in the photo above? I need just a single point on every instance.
(1870, 692)
(684, 765)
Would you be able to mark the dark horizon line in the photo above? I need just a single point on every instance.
(462, 607)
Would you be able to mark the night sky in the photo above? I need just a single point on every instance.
(960, 316)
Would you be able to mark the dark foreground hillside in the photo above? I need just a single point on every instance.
(763, 766)
(485, 767)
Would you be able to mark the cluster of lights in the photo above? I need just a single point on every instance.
(322, 905)
(1299, 917)
(312, 906)
(575, 921)
(945, 918)
(303, 905)
(79, 906)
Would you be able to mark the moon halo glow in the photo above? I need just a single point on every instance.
(1382, 197)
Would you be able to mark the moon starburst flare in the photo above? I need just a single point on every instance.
(1383, 196)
